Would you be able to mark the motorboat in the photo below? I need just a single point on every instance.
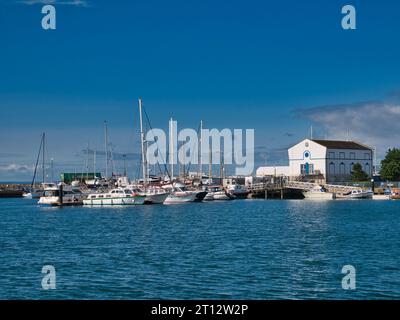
(217, 193)
(319, 193)
(357, 194)
(95, 183)
(154, 195)
(395, 194)
(238, 191)
(180, 194)
(118, 196)
(62, 195)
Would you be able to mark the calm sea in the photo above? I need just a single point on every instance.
(250, 249)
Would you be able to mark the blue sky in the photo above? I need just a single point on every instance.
(277, 67)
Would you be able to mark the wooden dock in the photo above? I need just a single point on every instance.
(273, 191)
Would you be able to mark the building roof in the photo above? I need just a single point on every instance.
(333, 144)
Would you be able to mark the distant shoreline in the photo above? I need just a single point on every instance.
(15, 182)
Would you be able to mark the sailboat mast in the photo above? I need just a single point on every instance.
(201, 151)
(209, 163)
(171, 147)
(221, 166)
(43, 158)
(87, 162)
(37, 162)
(106, 146)
(144, 164)
(94, 163)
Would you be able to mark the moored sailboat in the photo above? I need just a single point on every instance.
(35, 192)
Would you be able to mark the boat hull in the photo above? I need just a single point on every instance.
(218, 196)
(200, 196)
(137, 200)
(66, 201)
(240, 195)
(156, 198)
(209, 197)
(176, 198)
(33, 195)
(319, 195)
(361, 195)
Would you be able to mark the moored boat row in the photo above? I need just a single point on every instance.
(321, 193)
(67, 195)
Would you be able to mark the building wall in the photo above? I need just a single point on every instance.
(307, 153)
(310, 158)
(339, 163)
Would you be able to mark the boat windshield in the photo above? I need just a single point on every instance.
(51, 193)
(183, 189)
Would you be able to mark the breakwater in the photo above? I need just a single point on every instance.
(12, 190)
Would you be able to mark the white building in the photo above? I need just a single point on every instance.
(327, 160)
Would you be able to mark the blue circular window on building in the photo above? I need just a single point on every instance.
(307, 154)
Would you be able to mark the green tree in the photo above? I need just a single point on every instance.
(357, 174)
(390, 166)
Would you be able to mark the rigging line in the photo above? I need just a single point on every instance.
(37, 162)
(165, 165)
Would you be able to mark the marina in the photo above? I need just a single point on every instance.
(199, 159)
(177, 192)
(318, 170)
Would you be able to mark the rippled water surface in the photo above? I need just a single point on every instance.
(251, 249)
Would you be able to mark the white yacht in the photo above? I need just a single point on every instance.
(95, 183)
(238, 191)
(357, 194)
(180, 194)
(119, 196)
(155, 195)
(61, 195)
(319, 193)
(217, 193)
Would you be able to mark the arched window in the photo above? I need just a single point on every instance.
(367, 168)
(342, 168)
(332, 168)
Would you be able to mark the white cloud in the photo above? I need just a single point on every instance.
(76, 3)
(373, 123)
(16, 168)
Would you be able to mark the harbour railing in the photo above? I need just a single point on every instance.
(298, 185)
